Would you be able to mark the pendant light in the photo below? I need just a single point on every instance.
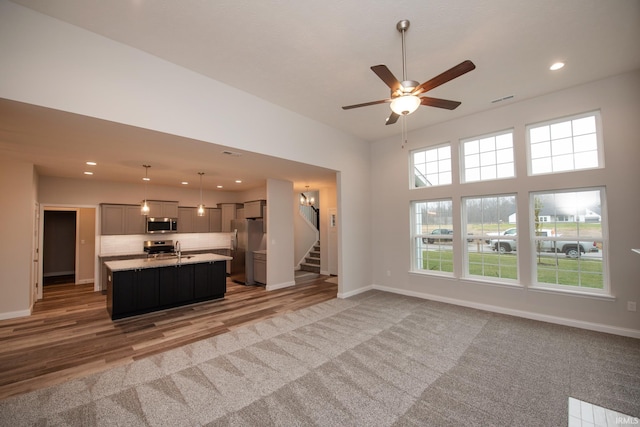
(144, 210)
(305, 199)
(201, 210)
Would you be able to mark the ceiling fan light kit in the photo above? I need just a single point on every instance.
(404, 105)
(405, 97)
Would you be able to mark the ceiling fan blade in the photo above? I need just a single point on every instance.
(366, 104)
(392, 118)
(440, 103)
(450, 74)
(387, 76)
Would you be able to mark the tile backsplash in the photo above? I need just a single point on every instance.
(133, 243)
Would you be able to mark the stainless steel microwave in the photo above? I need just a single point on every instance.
(162, 225)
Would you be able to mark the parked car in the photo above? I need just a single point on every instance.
(508, 232)
(439, 234)
(571, 248)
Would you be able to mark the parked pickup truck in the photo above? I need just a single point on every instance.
(508, 232)
(571, 249)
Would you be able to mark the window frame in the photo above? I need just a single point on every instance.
(599, 141)
(463, 156)
(605, 291)
(415, 246)
(466, 274)
(412, 166)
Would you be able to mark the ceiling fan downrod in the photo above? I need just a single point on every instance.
(403, 26)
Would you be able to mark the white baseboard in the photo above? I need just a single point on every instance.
(14, 314)
(632, 333)
(355, 292)
(84, 281)
(280, 285)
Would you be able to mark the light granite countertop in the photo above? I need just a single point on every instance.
(143, 253)
(136, 264)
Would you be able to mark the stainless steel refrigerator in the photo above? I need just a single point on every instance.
(247, 235)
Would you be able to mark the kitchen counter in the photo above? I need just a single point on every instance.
(141, 263)
(143, 285)
(144, 254)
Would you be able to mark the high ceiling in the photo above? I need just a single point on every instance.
(314, 57)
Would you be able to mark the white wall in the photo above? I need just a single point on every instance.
(280, 235)
(55, 190)
(60, 66)
(618, 98)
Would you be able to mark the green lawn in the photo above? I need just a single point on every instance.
(572, 272)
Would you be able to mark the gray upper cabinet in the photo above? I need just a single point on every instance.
(162, 209)
(215, 220)
(228, 213)
(134, 221)
(185, 219)
(121, 219)
(190, 222)
(254, 209)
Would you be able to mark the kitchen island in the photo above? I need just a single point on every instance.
(137, 286)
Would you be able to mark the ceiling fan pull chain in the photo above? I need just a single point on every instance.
(404, 131)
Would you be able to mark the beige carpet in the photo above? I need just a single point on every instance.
(377, 359)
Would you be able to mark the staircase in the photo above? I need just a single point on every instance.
(312, 262)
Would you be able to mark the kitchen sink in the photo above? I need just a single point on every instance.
(168, 256)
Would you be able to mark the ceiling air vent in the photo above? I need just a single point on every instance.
(504, 98)
(231, 153)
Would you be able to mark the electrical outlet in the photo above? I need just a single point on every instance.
(631, 306)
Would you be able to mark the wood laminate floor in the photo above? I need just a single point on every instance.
(70, 333)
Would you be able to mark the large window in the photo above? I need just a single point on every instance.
(432, 236)
(565, 144)
(488, 157)
(523, 232)
(490, 250)
(431, 166)
(567, 238)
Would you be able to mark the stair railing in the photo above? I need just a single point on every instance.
(311, 213)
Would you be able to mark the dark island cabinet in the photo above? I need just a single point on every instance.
(137, 292)
(176, 284)
(210, 280)
(142, 290)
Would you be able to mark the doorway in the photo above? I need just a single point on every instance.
(59, 247)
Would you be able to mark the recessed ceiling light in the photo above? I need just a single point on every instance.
(146, 179)
(218, 186)
(556, 66)
(238, 181)
(91, 163)
(184, 183)
(88, 173)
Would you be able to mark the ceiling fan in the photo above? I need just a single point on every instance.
(405, 97)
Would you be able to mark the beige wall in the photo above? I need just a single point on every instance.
(618, 98)
(17, 218)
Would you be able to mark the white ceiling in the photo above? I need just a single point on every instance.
(314, 57)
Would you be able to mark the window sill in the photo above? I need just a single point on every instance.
(478, 281)
(432, 273)
(577, 293)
